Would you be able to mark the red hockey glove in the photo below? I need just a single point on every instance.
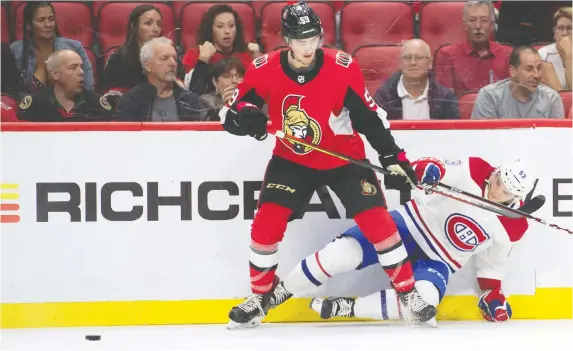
(404, 177)
(252, 120)
(494, 307)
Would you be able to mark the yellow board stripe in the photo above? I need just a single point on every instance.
(8, 186)
(547, 303)
(9, 196)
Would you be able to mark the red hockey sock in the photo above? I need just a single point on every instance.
(267, 232)
(378, 227)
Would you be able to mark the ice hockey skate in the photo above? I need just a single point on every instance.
(250, 313)
(279, 296)
(333, 307)
(416, 310)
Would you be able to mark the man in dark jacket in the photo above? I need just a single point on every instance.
(160, 98)
(66, 99)
(413, 93)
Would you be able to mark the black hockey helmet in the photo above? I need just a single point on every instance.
(299, 21)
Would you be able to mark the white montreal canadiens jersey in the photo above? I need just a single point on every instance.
(451, 231)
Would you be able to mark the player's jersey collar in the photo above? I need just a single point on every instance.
(302, 77)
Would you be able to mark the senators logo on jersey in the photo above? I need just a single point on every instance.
(298, 123)
(464, 233)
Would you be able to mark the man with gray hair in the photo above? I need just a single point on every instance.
(522, 95)
(65, 99)
(477, 60)
(160, 98)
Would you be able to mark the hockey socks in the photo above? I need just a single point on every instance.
(379, 228)
(384, 304)
(267, 232)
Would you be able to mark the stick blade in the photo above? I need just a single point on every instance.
(533, 205)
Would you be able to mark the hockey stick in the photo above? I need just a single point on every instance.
(438, 187)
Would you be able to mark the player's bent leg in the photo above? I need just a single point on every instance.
(379, 228)
(431, 282)
(381, 305)
(342, 255)
(267, 231)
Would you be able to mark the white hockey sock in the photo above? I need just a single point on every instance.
(383, 305)
(340, 256)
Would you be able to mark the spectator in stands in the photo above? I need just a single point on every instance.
(41, 38)
(559, 53)
(413, 93)
(220, 36)
(522, 95)
(123, 70)
(226, 74)
(10, 80)
(527, 22)
(477, 60)
(66, 99)
(160, 98)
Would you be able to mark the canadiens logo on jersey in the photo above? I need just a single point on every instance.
(298, 123)
(464, 233)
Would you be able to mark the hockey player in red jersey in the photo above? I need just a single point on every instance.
(318, 95)
(441, 235)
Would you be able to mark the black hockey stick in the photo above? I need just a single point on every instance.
(439, 188)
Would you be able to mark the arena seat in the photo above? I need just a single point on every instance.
(378, 62)
(113, 19)
(466, 104)
(74, 21)
(538, 46)
(271, 23)
(5, 28)
(8, 109)
(375, 23)
(567, 100)
(570, 115)
(441, 23)
(193, 12)
(96, 5)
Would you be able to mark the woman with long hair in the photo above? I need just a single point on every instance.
(123, 70)
(220, 36)
(41, 38)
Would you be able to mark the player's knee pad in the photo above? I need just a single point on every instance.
(270, 224)
(435, 274)
(340, 256)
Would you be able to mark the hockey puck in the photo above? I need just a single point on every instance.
(93, 337)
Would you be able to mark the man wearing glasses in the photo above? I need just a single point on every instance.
(413, 93)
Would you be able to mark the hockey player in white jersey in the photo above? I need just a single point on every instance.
(440, 235)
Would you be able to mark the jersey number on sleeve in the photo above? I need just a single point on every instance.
(234, 97)
(371, 103)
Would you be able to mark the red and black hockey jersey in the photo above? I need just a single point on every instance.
(327, 106)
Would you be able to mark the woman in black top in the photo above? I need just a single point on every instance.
(123, 70)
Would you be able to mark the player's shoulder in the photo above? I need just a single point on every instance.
(338, 59)
(265, 61)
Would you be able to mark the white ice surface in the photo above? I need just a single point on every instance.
(516, 335)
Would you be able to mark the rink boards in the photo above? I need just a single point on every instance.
(135, 224)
